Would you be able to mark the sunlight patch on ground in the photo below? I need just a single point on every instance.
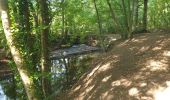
(134, 91)
(77, 88)
(132, 48)
(138, 40)
(146, 98)
(88, 82)
(89, 88)
(162, 43)
(135, 40)
(116, 83)
(154, 65)
(123, 82)
(138, 77)
(142, 84)
(123, 43)
(144, 48)
(166, 53)
(82, 95)
(141, 75)
(162, 93)
(106, 96)
(104, 67)
(168, 83)
(106, 78)
(92, 73)
(156, 48)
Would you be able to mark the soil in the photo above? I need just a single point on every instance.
(136, 69)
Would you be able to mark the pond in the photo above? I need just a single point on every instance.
(8, 88)
(2, 94)
(65, 72)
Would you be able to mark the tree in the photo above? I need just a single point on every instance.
(23, 70)
(112, 13)
(45, 63)
(136, 5)
(145, 15)
(99, 25)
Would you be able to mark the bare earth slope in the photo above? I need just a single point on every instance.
(137, 69)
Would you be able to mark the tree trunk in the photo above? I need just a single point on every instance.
(26, 22)
(98, 18)
(20, 63)
(145, 15)
(128, 8)
(25, 28)
(45, 63)
(24, 14)
(63, 18)
(136, 13)
(117, 24)
(99, 25)
(125, 19)
(132, 10)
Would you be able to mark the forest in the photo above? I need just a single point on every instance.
(84, 49)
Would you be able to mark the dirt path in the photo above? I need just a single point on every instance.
(137, 69)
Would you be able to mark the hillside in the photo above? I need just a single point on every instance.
(136, 69)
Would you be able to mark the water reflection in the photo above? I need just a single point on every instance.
(58, 68)
(2, 95)
(65, 72)
(7, 88)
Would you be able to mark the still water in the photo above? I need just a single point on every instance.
(12, 89)
(2, 95)
(7, 88)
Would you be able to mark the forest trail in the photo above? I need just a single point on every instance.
(136, 69)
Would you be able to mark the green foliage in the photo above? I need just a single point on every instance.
(159, 14)
(74, 21)
(2, 37)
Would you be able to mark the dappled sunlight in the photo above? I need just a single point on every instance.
(92, 73)
(142, 84)
(166, 53)
(144, 48)
(141, 75)
(106, 78)
(77, 88)
(101, 67)
(133, 48)
(135, 70)
(82, 95)
(123, 82)
(88, 82)
(155, 65)
(89, 88)
(139, 40)
(123, 43)
(161, 93)
(105, 67)
(134, 91)
(107, 96)
(157, 48)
